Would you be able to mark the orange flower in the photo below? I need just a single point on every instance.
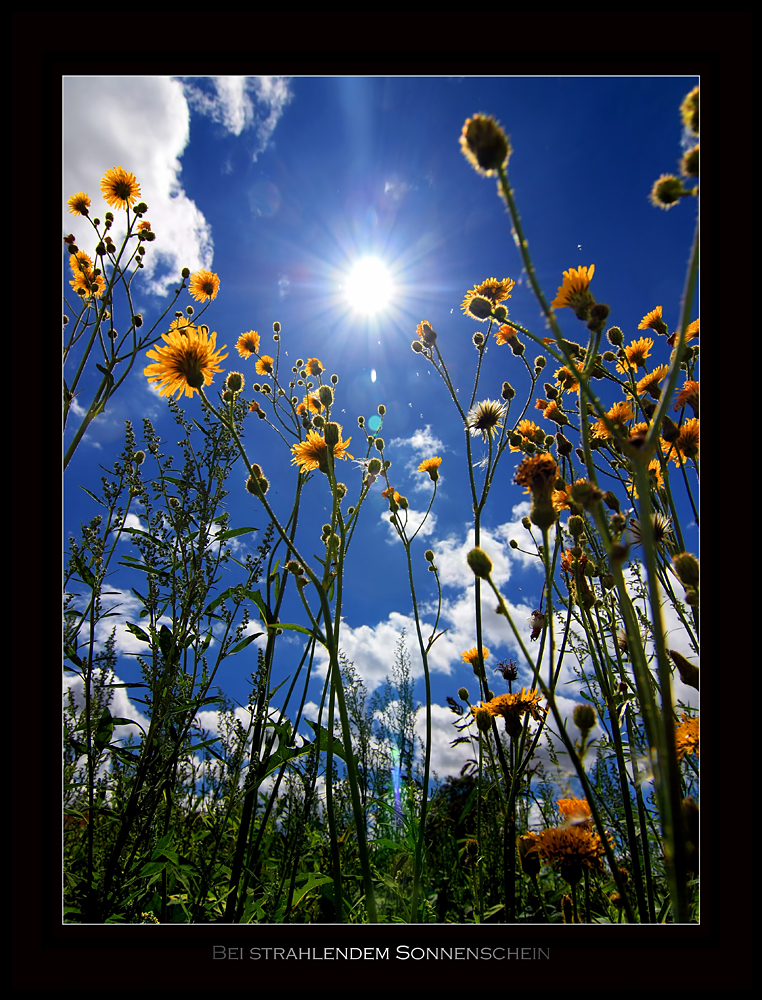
(186, 362)
(574, 291)
(313, 453)
(203, 285)
(248, 344)
(264, 366)
(120, 189)
(653, 321)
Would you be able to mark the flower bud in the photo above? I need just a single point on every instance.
(332, 433)
(576, 525)
(687, 568)
(139, 457)
(483, 720)
(584, 718)
(463, 694)
(615, 336)
(428, 555)
(325, 395)
(480, 563)
(508, 391)
(380, 444)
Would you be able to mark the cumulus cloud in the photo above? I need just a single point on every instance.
(413, 521)
(241, 103)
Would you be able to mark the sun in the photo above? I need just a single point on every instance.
(369, 287)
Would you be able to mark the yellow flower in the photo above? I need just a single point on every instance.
(512, 707)
(567, 380)
(186, 361)
(145, 224)
(484, 144)
(619, 414)
(310, 404)
(650, 382)
(687, 736)
(472, 655)
(80, 261)
(203, 285)
(120, 189)
(653, 321)
(689, 109)
(313, 453)
(78, 203)
(553, 412)
(688, 396)
(313, 366)
(688, 439)
(264, 366)
(431, 465)
(636, 353)
(479, 302)
(184, 324)
(574, 291)
(93, 285)
(248, 344)
(538, 474)
(574, 810)
(391, 494)
(569, 849)
(505, 334)
(691, 333)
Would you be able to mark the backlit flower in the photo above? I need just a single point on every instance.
(650, 382)
(472, 655)
(203, 285)
(310, 404)
(574, 291)
(529, 430)
(687, 736)
(688, 439)
(80, 261)
(653, 321)
(688, 396)
(506, 334)
(120, 189)
(484, 144)
(248, 344)
(619, 414)
(553, 412)
(313, 366)
(569, 849)
(479, 301)
(313, 453)
(431, 465)
(512, 707)
(692, 331)
(537, 473)
(78, 203)
(667, 191)
(661, 527)
(636, 353)
(484, 418)
(264, 366)
(183, 323)
(574, 810)
(567, 380)
(92, 285)
(186, 361)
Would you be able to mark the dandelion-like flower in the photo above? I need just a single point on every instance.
(569, 849)
(688, 396)
(120, 189)
(687, 442)
(574, 811)
(310, 404)
(567, 380)
(313, 366)
(479, 302)
(91, 284)
(691, 332)
(506, 334)
(431, 465)
(472, 655)
(203, 285)
(619, 415)
(248, 344)
(653, 321)
(512, 708)
(574, 291)
(79, 203)
(313, 453)
(650, 382)
(185, 362)
(636, 354)
(485, 417)
(184, 324)
(80, 261)
(687, 736)
(265, 365)
(660, 524)
(484, 144)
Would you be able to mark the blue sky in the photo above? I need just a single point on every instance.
(280, 186)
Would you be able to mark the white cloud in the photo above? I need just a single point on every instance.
(241, 103)
(413, 521)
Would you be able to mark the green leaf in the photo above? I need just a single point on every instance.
(104, 731)
(71, 654)
(234, 532)
(138, 632)
(94, 497)
(245, 642)
(145, 534)
(314, 879)
(177, 481)
(84, 571)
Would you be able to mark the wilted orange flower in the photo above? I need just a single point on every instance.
(203, 285)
